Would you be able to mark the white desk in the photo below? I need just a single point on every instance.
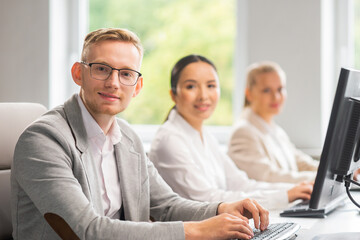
(344, 219)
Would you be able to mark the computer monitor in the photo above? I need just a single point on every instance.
(340, 154)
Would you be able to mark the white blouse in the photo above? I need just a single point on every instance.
(197, 169)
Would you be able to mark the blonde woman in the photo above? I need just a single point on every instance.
(258, 145)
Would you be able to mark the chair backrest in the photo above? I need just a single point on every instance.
(14, 118)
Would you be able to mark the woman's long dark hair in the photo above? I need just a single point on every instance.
(179, 67)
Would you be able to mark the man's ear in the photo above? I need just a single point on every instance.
(76, 73)
(138, 86)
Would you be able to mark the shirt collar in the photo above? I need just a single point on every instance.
(174, 116)
(250, 114)
(94, 130)
(115, 132)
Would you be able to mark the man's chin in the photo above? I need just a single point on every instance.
(113, 111)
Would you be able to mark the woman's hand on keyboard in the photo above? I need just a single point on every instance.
(247, 209)
(302, 190)
(357, 175)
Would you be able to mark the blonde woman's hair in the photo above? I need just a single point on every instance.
(102, 34)
(258, 68)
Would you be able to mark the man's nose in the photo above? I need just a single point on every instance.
(113, 80)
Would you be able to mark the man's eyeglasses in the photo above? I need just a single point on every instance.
(102, 72)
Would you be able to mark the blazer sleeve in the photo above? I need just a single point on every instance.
(247, 150)
(169, 206)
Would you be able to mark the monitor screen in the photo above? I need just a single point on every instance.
(340, 154)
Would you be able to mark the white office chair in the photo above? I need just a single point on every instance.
(14, 118)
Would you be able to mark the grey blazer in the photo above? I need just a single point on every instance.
(53, 172)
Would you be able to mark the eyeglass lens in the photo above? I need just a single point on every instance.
(102, 72)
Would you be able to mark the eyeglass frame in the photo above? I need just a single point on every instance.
(112, 69)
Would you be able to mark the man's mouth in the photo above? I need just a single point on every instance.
(108, 95)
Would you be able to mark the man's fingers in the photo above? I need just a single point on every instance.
(264, 216)
(250, 206)
(236, 227)
(241, 227)
(239, 235)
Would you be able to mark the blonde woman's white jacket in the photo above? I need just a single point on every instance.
(265, 152)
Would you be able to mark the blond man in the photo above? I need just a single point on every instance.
(80, 172)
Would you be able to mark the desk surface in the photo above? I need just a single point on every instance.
(345, 219)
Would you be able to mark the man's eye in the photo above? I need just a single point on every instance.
(102, 69)
(127, 74)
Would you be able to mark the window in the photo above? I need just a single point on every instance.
(169, 30)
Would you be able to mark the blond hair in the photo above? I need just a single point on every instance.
(258, 68)
(102, 34)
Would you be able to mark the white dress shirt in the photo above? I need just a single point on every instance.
(102, 149)
(197, 169)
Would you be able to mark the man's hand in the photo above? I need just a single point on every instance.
(247, 209)
(223, 226)
(232, 222)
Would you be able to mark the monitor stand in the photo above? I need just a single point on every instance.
(305, 211)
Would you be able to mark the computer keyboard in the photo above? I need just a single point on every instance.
(278, 231)
(301, 205)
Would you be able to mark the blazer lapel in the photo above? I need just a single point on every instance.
(274, 152)
(128, 162)
(271, 149)
(75, 120)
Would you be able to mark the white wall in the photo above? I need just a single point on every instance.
(29, 71)
(302, 37)
(24, 51)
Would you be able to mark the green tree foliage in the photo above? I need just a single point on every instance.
(169, 30)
